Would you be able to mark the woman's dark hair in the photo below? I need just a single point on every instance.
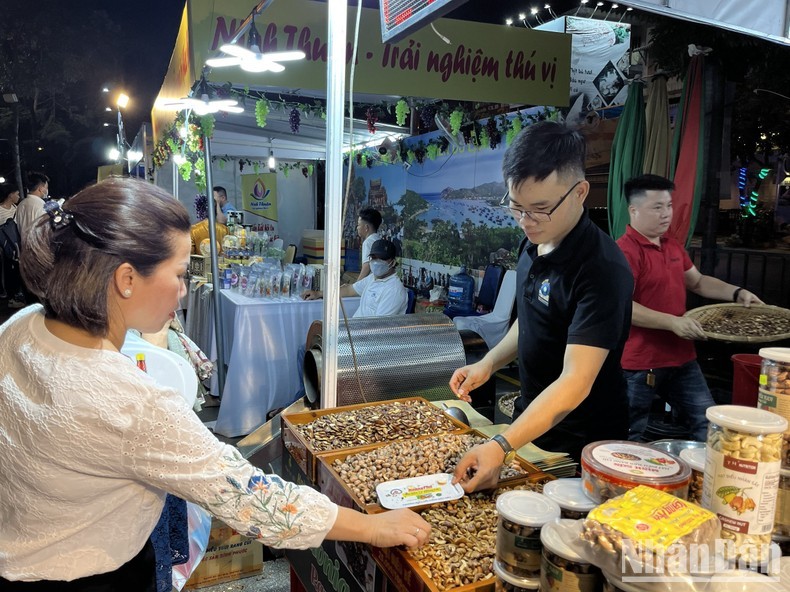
(119, 220)
(372, 216)
(6, 189)
(541, 149)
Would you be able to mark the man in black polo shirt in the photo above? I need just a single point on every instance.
(574, 312)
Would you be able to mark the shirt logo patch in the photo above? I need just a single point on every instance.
(543, 292)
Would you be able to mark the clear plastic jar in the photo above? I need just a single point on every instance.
(742, 470)
(774, 392)
(782, 520)
(507, 582)
(522, 514)
(570, 497)
(562, 569)
(695, 459)
(612, 467)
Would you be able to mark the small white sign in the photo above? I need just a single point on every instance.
(418, 491)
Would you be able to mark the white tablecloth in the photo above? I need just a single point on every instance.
(261, 341)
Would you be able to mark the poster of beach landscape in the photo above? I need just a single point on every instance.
(443, 212)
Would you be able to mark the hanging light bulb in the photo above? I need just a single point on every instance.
(508, 21)
(272, 163)
(251, 58)
(202, 101)
(179, 159)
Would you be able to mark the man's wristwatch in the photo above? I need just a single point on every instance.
(510, 453)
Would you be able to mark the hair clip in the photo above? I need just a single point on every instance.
(57, 217)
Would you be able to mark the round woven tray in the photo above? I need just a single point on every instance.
(715, 318)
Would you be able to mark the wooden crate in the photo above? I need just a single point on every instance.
(304, 454)
(332, 485)
(405, 572)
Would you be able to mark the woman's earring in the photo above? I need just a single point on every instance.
(127, 293)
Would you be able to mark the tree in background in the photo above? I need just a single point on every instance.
(56, 62)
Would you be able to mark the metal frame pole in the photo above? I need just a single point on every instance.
(219, 333)
(337, 16)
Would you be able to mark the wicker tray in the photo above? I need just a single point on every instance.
(714, 315)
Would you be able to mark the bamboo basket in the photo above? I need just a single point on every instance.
(720, 322)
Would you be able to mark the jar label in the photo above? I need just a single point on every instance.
(636, 460)
(783, 510)
(556, 579)
(519, 552)
(742, 493)
(774, 402)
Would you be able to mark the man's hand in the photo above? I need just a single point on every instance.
(480, 467)
(746, 298)
(468, 378)
(312, 295)
(688, 328)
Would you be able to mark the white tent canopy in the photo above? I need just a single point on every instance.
(767, 19)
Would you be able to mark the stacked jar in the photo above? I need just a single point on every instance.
(742, 469)
(695, 459)
(562, 568)
(774, 396)
(522, 514)
(570, 497)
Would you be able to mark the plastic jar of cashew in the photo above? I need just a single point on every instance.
(570, 497)
(562, 568)
(695, 459)
(521, 516)
(782, 520)
(774, 391)
(507, 582)
(742, 470)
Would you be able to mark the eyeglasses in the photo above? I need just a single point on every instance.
(519, 214)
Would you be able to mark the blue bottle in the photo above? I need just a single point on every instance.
(460, 295)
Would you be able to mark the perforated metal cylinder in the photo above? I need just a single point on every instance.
(398, 356)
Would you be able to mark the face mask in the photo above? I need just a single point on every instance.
(378, 268)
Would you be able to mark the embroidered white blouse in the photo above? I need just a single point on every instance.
(89, 445)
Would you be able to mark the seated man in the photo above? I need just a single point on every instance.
(382, 292)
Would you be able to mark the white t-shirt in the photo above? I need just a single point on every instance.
(6, 213)
(28, 211)
(366, 244)
(381, 298)
(89, 445)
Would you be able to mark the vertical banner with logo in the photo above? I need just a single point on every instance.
(259, 193)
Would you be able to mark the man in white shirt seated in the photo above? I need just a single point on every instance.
(382, 292)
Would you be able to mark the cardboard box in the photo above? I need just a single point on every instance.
(229, 556)
(313, 248)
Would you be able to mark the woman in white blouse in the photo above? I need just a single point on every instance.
(89, 444)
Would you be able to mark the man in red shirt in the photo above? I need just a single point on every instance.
(659, 356)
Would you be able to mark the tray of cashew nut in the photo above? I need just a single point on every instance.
(460, 553)
(350, 477)
(310, 433)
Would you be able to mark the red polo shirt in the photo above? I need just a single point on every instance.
(659, 284)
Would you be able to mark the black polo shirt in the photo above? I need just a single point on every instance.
(580, 293)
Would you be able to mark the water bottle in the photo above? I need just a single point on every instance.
(460, 294)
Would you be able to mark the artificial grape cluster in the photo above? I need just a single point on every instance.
(261, 112)
(372, 118)
(294, 119)
(494, 135)
(456, 119)
(427, 115)
(401, 111)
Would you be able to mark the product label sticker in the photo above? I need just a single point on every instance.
(636, 460)
(418, 491)
(741, 493)
(763, 379)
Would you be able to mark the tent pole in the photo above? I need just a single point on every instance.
(219, 332)
(337, 11)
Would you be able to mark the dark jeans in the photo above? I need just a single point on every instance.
(12, 279)
(136, 575)
(683, 387)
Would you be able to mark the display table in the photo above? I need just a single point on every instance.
(261, 340)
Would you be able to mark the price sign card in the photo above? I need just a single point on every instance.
(418, 491)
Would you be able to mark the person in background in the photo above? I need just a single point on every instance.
(382, 292)
(91, 445)
(368, 224)
(659, 356)
(31, 208)
(12, 281)
(221, 199)
(574, 309)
